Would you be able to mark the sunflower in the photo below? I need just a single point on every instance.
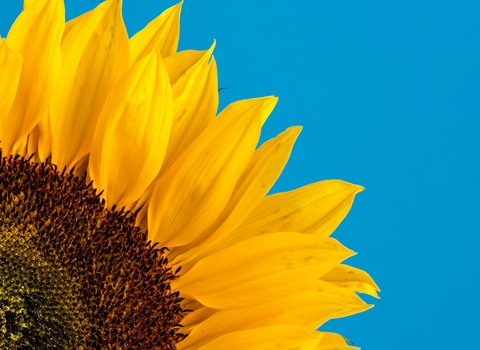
(134, 217)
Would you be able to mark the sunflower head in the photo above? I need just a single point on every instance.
(75, 274)
(199, 256)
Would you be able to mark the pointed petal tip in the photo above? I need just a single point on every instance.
(272, 99)
(113, 2)
(212, 47)
(358, 188)
(271, 102)
(295, 130)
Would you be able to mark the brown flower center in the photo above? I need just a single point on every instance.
(73, 274)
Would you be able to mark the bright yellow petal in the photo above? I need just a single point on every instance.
(195, 106)
(178, 66)
(259, 176)
(42, 147)
(352, 300)
(95, 53)
(268, 107)
(74, 21)
(352, 278)
(316, 208)
(335, 347)
(163, 33)
(10, 69)
(191, 65)
(179, 63)
(191, 195)
(70, 24)
(192, 319)
(333, 341)
(305, 309)
(132, 132)
(27, 3)
(36, 35)
(267, 104)
(32, 141)
(266, 267)
(278, 337)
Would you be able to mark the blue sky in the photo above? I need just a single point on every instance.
(388, 94)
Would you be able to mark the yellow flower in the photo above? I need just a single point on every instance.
(239, 269)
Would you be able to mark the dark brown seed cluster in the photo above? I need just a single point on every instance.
(74, 275)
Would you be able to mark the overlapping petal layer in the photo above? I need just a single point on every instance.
(257, 271)
(10, 69)
(131, 136)
(36, 36)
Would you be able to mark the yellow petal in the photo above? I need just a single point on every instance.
(95, 53)
(352, 278)
(192, 319)
(195, 106)
(32, 142)
(261, 269)
(142, 205)
(132, 132)
(74, 21)
(70, 24)
(308, 310)
(267, 104)
(317, 208)
(36, 35)
(43, 147)
(259, 176)
(27, 3)
(193, 115)
(352, 300)
(10, 69)
(335, 347)
(187, 70)
(268, 107)
(190, 196)
(333, 341)
(179, 63)
(278, 337)
(163, 32)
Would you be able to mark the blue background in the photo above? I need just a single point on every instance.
(388, 94)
